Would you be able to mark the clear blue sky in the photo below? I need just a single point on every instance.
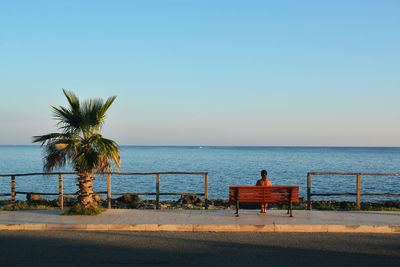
(207, 72)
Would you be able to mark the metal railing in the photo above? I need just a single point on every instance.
(61, 193)
(358, 186)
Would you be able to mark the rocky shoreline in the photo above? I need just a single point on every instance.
(133, 201)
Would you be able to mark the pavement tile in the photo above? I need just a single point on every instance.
(37, 226)
(359, 229)
(119, 227)
(151, 227)
(305, 228)
(175, 227)
(137, 227)
(257, 228)
(216, 228)
(57, 227)
(11, 227)
(395, 229)
(97, 227)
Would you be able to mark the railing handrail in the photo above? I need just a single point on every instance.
(101, 173)
(358, 184)
(109, 194)
(353, 173)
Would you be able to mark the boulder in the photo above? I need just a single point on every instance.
(392, 204)
(221, 203)
(129, 198)
(70, 200)
(34, 197)
(189, 199)
(98, 198)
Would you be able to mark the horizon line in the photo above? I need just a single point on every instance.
(333, 146)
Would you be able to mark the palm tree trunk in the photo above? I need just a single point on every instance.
(85, 190)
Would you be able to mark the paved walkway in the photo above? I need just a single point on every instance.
(202, 220)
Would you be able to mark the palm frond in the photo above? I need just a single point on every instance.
(67, 120)
(109, 149)
(107, 104)
(49, 137)
(91, 111)
(54, 158)
(100, 151)
(58, 152)
(73, 100)
(85, 161)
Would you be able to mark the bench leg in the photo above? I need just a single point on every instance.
(290, 204)
(290, 210)
(237, 208)
(237, 202)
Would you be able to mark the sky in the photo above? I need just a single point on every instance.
(206, 72)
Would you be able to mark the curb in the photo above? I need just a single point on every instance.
(271, 228)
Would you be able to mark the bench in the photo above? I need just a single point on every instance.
(264, 194)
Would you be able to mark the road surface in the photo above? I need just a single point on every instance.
(74, 248)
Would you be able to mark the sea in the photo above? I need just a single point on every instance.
(226, 165)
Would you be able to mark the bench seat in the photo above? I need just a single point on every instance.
(263, 195)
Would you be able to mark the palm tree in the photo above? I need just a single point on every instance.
(80, 143)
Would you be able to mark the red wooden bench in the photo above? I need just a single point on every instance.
(264, 194)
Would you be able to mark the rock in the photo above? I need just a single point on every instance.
(150, 207)
(70, 200)
(392, 204)
(34, 197)
(98, 198)
(190, 199)
(129, 198)
(221, 203)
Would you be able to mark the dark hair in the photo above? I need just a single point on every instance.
(264, 172)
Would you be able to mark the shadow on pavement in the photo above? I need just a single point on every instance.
(63, 248)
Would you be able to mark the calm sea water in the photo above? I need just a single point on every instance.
(225, 165)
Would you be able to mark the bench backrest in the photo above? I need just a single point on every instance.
(264, 194)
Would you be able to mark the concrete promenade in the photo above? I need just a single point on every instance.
(206, 220)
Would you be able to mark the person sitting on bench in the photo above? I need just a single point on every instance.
(264, 182)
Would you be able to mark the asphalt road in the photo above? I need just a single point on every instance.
(72, 248)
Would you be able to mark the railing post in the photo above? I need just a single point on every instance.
(206, 191)
(109, 191)
(358, 191)
(309, 191)
(157, 191)
(13, 192)
(290, 208)
(237, 201)
(60, 191)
